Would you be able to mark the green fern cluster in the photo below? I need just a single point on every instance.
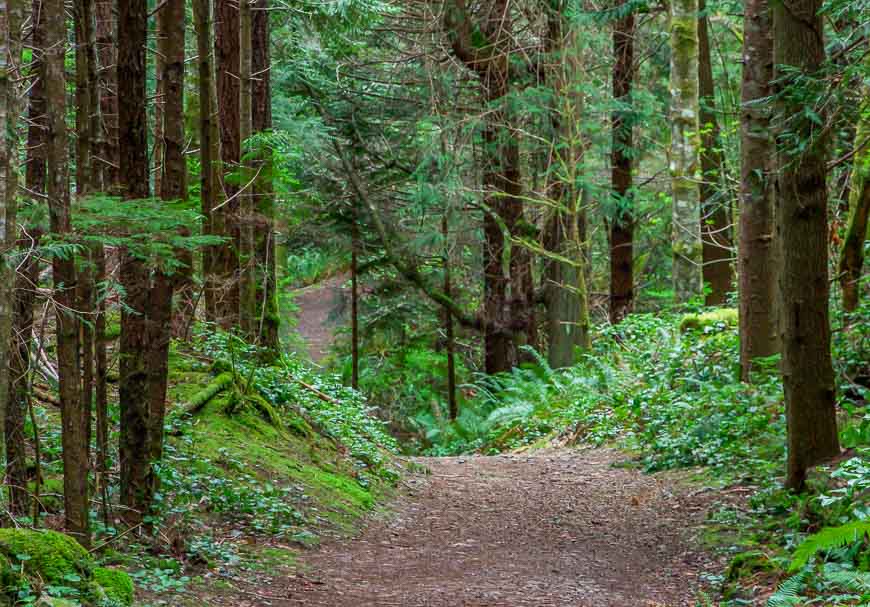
(829, 538)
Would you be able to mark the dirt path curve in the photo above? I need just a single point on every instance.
(318, 306)
(560, 529)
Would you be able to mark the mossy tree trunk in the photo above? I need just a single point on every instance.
(264, 228)
(248, 316)
(567, 297)
(852, 254)
(716, 224)
(23, 294)
(802, 201)
(107, 171)
(757, 247)
(685, 151)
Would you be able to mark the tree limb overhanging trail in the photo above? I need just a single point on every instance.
(554, 529)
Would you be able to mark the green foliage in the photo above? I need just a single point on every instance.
(55, 558)
(116, 584)
(47, 568)
(829, 538)
(310, 265)
(674, 398)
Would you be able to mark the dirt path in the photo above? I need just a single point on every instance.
(563, 529)
(318, 306)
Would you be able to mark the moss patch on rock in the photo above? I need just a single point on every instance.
(42, 559)
(723, 317)
(53, 557)
(116, 584)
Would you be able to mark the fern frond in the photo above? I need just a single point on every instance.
(788, 594)
(828, 539)
(848, 579)
(511, 413)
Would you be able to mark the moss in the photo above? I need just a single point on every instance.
(342, 488)
(116, 584)
(50, 556)
(709, 320)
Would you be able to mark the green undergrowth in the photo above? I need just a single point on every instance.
(261, 461)
(50, 568)
(667, 390)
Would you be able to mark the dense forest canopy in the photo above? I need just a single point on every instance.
(429, 227)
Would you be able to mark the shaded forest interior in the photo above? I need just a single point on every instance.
(260, 255)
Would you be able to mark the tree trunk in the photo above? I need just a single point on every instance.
(25, 284)
(74, 420)
(802, 200)
(567, 297)
(501, 178)
(107, 171)
(209, 149)
(87, 124)
(247, 254)
(715, 205)
(684, 161)
(173, 187)
(225, 221)
(504, 210)
(622, 121)
(266, 295)
(852, 255)
(107, 75)
(11, 20)
(354, 302)
(758, 270)
(134, 351)
(19, 367)
(450, 341)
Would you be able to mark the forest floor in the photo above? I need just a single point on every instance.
(562, 528)
(559, 528)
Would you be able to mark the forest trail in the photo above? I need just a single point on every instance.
(318, 306)
(556, 529)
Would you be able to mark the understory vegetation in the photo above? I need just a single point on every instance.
(260, 461)
(665, 388)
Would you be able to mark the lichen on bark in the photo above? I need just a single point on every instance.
(685, 151)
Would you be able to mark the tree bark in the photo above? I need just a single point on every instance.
(504, 319)
(173, 187)
(11, 20)
(852, 255)
(25, 283)
(107, 76)
(757, 258)
(248, 317)
(622, 127)
(717, 242)
(209, 149)
(684, 161)
(802, 200)
(450, 341)
(264, 229)
(225, 221)
(74, 420)
(134, 350)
